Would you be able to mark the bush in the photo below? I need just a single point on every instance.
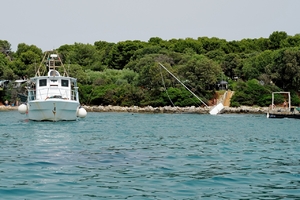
(235, 104)
(252, 93)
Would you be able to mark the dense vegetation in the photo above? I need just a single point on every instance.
(127, 73)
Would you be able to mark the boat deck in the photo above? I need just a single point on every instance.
(284, 113)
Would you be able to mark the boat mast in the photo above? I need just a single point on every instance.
(182, 84)
(52, 61)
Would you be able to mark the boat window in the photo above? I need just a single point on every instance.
(65, 83)
(43, 82)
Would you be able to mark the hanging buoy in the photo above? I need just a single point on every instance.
(22, 108)
(81, 112)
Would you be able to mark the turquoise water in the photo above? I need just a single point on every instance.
(150, 156)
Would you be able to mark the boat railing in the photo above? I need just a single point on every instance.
(31, 94)
(43, 94)
(73, 95)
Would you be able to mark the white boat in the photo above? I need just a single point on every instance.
(52, 97)
(219, 108)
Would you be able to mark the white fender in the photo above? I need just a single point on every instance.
(22, 108)
(81, 112)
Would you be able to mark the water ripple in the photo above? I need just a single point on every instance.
(150, 156)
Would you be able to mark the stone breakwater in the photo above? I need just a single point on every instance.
(170, 109)
(165, 109)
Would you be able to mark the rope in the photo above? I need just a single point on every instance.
(182, 84)
(162, 78)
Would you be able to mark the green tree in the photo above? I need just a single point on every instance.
(155, 41)
(22, 48)
(232, 47)
(252, 93)
(263, 43)
(84, 55)
(188, 44)
(201, 72)
(76, 70)
(231, 65)
(276, 38)
(3, 64)
(6, 72)
(27, 60)
(65, 52)
(122, 52)
(257, 65)
(291, 41)
(286, 68)
(212, 44)
(5, 48)
(104, 49)
(216, 55)
(150, 76)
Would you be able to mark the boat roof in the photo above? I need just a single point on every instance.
(20, 81)
(53, 78)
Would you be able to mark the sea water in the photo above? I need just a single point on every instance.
(150, 156)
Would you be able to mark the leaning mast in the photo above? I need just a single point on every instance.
(183, 84)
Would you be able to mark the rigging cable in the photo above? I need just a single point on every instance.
(162, 78)
(182, 84)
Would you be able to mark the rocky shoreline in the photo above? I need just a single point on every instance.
(166, 109)
(3, 108)
(170, 109)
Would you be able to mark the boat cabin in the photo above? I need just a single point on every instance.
(52, 86)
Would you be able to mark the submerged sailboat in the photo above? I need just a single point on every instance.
(52, 97)
(214, 111)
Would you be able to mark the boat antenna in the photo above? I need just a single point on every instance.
(182, 84)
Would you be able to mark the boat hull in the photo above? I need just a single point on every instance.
(217, 109)
(52, 110)
(280, 116)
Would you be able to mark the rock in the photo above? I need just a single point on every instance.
(8, 107)
(170, 109)
(166, 109)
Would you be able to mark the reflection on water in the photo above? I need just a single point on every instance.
(150, 156)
